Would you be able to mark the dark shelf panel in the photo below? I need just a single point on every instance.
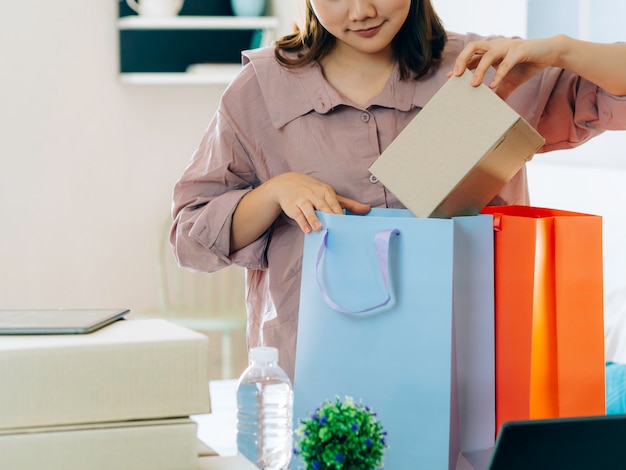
(174, 50)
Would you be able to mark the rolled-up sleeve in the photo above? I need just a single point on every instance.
(568, 110)
(577, 111)
(205, 198)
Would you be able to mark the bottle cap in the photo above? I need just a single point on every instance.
(263, 354)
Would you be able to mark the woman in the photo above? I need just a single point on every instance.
(297, 129)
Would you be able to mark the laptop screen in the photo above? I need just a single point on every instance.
(594, 442)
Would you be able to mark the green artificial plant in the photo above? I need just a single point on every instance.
(341, 434)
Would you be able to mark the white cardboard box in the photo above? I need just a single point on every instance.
(129, 370)
(137, 445)
(458, 152)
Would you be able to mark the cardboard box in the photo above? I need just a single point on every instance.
(129, 370)
(137, 445)
(458, 152)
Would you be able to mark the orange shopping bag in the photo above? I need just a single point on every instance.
(549, 313)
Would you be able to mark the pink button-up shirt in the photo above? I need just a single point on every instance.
(273, 120)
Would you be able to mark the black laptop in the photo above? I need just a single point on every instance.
(589, 443)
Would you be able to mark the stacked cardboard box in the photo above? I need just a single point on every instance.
(117, 398)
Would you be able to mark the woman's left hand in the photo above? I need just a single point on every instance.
(515, 61)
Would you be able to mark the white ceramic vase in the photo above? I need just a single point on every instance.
(248, 7)
(156, 8)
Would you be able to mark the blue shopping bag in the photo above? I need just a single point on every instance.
(397, 312)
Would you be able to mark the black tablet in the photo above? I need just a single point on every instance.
(56, 322)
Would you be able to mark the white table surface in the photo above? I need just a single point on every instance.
(218, 429)
(225, 463)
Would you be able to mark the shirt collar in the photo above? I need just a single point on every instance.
(405, 95)
(293, 92)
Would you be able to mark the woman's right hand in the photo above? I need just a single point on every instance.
(300, 195)
(297, 195)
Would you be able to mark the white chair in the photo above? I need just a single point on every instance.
(202, 301)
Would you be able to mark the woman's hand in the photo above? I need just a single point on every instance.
(297, 195)
(515, 61)
(300, 195)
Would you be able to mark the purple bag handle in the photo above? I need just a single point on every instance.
(382, 240)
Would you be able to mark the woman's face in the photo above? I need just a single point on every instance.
(364, 25)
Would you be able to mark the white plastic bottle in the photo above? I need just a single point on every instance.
(265, 411)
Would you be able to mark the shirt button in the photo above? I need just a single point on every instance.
(365, 117)
(373, 179)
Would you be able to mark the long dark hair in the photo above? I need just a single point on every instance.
(417, 46)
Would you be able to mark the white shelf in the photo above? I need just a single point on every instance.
(198, 22)
(214, 74)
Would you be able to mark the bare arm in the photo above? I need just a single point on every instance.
(602, 64)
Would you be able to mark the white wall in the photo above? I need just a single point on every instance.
(87, 164)
(483, 16)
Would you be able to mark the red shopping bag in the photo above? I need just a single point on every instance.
(549, 313)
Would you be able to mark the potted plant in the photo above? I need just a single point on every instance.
(341, 434)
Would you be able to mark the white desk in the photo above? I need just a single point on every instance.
(218, 429)
(225, 463)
